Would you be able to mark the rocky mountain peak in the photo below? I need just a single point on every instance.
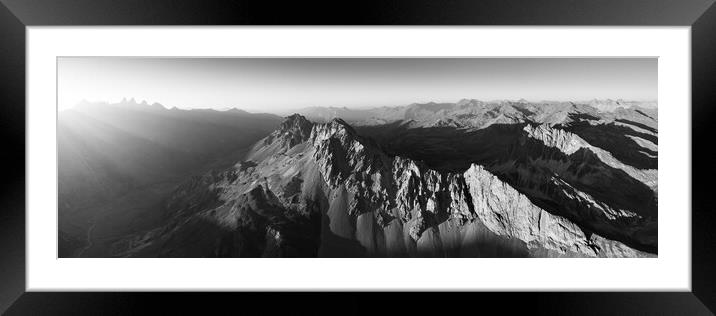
(341, 124)
(295, 129)
(295, 121)
(336, 128)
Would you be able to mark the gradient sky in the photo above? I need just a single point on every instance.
(280, 84)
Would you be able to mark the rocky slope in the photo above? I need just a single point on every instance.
(557, 169)
(326, 190)
(570, 143)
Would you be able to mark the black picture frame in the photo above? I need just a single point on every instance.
(16, 15)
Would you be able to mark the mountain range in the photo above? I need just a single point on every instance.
(464, 179)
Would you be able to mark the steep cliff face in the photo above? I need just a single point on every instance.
(324, 190)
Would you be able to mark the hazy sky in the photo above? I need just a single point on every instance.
(282, 84)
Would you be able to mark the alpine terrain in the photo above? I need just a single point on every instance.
(464, 179)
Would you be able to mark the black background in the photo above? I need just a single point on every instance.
(16, 14)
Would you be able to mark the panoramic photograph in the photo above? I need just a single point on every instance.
(357, 157)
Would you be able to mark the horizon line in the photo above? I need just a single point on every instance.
(133, 100)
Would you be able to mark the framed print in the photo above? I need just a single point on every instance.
(385, 150)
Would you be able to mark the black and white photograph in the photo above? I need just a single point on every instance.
(357, 157)
(313, 157)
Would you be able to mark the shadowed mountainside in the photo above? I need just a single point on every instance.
(122, 158)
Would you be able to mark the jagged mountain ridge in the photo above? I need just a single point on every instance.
(558, 170)
(342, 195)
